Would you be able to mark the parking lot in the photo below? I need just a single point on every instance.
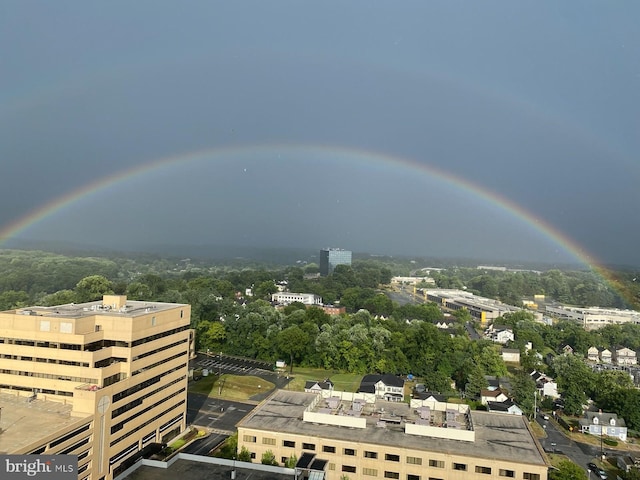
(226, 364)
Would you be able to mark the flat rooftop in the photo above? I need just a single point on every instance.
(497, 436)
(24, 421)
(132, 308)
(191, 470)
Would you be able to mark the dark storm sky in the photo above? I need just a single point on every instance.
(537, 102)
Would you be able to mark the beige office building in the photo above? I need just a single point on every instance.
(102, 380)
(332, 434)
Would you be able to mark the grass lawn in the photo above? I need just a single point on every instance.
(347, 382)
(234, 387)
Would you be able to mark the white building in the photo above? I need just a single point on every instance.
(285, 298)
(592, 318)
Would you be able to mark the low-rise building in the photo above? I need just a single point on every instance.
(625, 356)
(593, 318)
(602, 423)
(511, 355)
(389, 387)
(285, 298)
(363, 437)
(593, 354)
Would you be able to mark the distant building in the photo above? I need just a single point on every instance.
(286, 298)
(312, 386)
(592, 318)
(330, 258)
(480, 308)
(625, 356)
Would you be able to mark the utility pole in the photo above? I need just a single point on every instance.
(220, 375)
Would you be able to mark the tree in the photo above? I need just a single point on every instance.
(523, 389)
(93, 288)
(292, 341)
(13, 299)
(291, 461)
(268, 458)
(567, 470)
(244, 455)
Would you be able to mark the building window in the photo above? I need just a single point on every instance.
(268, 441)
(253, 455)
(391, 457)
(153, 321)
(436, 463)
(370, 454)
(332, 466)
(460, 466)
(391, 475)
(289, 443)
(283, 460)
(371, 472)
(485, 470)
(308, 446)
(413, 477)
(433, 478)
(507, 473)
(181, 313)
(414, 460)
(531, 476)
(349, 451)
(328, 449)
(249, 439)
(349, 468)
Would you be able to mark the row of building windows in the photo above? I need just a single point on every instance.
(120, 425)
(160, 362)
(391, 458)
(44, 360)
(156, 350)
(22, 373)
(148, 422)
(141, 386)
(40, 390)
(166, 334)
(133, 404)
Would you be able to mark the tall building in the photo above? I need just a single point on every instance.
(103, 380)
(331, 257)
(334, 433)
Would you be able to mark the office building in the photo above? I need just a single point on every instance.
(104, 380)
(334, 433)
(332, 257)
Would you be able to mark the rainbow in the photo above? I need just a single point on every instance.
(370, 159)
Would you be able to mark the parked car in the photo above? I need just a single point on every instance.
(597, 470)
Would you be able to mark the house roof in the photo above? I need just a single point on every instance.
(603, 418)
(491, 393)
(367, 385)
(498, 407)
(324, 385)
(429, 395)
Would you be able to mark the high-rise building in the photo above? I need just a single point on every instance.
(331, 257)
(103, 380)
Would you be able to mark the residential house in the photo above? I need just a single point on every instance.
(508, 406)
(593, 354)
(605, 356)
(511, 355)
(545, 385)
(492, 382)
(567, 350)
(625, 356)
(499, 334)
(487, 396)
(387, 386)
(626, 463)
(312, 386)
(430, 397)
(602, 423)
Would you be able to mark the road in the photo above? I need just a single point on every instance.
(557, 442)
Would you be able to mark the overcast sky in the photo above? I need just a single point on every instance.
(536, 103)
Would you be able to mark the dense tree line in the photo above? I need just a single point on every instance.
(376, 335)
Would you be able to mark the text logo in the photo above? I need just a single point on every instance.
(49, 467)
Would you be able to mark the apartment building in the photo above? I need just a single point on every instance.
(103, 380)
(357, 435)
